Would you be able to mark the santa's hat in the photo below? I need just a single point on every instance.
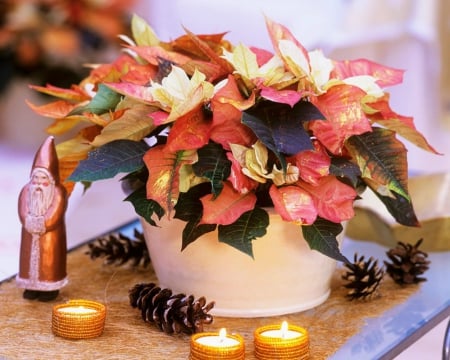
(46, 158)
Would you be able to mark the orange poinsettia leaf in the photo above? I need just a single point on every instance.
(139, 92)
(230, 94)
(384, 75)
(186, 44)
(66, 168)
(209, 52)
(402, 125)
(343, 121)
(227, 207)
(70, 153)
(227, 126)
(293, 203)
(163, 180)
(152, 54)
(332, 198)
(190, 131)
(63, 125)
(232, 131)
(212, 71)
(110, 72)
(74, 94)
(314, 164)
(139, 74)
(278, 32)
(90, 132)
(55, 109)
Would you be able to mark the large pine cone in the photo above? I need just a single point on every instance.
(363, 278)
(408, 262)
(172, 313)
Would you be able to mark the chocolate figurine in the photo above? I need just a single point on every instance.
(43, 248)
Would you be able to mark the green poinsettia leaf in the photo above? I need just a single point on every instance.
(344, 168)
(280, 127)
(189, 208)
(120, 156)
(321, 236)
(250, 225)
(192, 231)
(213, 164)
(144, 207)
(382, 160)
(104, 100)
(400, 208)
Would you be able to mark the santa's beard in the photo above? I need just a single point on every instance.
(40, 199)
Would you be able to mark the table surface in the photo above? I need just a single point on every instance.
(388, 335)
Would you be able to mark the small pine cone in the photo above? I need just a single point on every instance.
(363, 278)
(172, 313)
(408, 262)
(120, 249)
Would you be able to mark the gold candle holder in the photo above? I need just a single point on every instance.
(211, 346)
(285, 342)
(78, 319)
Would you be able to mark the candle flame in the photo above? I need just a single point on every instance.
(77, 310)
(284, 329)
(222, 334)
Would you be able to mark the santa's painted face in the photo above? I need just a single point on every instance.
(40, 179)
(41, 192)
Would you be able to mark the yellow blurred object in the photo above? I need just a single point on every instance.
(431, 200)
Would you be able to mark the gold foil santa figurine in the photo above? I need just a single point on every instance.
(43, 248)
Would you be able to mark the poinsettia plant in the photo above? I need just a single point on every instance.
(214, 133)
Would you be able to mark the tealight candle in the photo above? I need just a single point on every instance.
(209, 345)
(281, 342)
(78, 319)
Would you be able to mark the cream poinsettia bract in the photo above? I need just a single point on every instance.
(254, 165)
(178, 94)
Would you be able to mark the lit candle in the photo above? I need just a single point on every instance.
(78, 319)
(205, 346)
(281, 342)
(77, 310)
(283, 332)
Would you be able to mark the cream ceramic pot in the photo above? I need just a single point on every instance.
(285, 276)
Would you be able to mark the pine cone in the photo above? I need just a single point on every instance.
(408, 262)
(363, 278)
(172, 313)
(120, 249)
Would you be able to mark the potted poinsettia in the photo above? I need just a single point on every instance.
(218, 136)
